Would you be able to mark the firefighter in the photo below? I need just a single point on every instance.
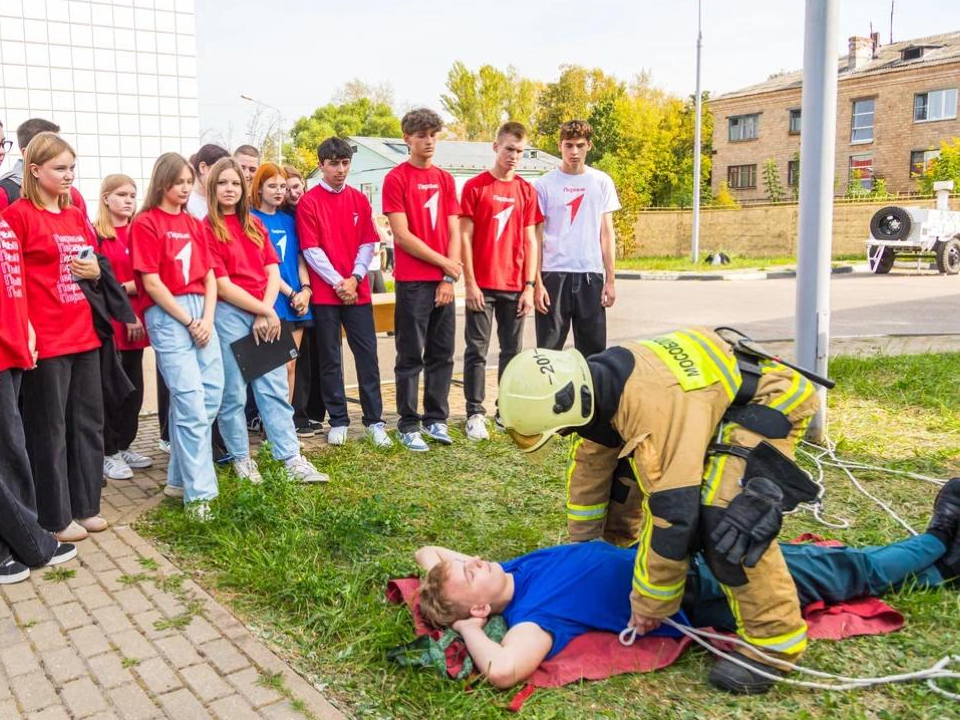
(708, 426)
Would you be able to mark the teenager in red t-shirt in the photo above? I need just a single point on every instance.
(118, 195)
(420, 200)
(23, 543)
(178, 294)
(248, 280)
(499, 213)
(62, 398)
(337, 236)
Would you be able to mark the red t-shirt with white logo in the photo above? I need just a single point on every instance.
(338, 223)
(171, 246)
(14, 347)
(59, 311)
(240, 259)
(428, 197)
(501, 211)
(117, 251)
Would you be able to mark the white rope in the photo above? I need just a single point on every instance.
(931, 674)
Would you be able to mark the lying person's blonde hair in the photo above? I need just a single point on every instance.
(436, 608)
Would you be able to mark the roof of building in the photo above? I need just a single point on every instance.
(937, 50)
(457, 154)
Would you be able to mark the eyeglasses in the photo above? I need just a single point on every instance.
(5, 145)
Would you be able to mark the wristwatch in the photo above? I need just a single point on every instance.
(450, 279)
(358, 278)
(530, 283)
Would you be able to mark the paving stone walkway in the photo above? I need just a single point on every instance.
(121, 634)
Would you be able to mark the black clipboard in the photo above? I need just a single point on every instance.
(256, 360)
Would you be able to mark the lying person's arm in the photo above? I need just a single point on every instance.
(523, 649)
(430, 555)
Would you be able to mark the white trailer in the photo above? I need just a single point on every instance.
(915, 233)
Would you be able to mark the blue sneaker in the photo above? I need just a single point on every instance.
(412, 441)
(438, 431)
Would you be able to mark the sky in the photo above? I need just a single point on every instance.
(295, 54)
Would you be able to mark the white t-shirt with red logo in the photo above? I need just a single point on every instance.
(172, 246)
(428, 197)
(573, 207)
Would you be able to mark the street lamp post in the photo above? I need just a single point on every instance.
(695, 239)
(279, 123)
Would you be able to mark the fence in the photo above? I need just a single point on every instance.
(760, 230)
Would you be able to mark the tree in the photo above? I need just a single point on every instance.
(362, 116)
(944, 167)
(357, 89)
(795, 188)
(483, 100)
(724, 198)
(771, 181)
(574, 95)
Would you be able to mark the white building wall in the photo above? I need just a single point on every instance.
(118, 76)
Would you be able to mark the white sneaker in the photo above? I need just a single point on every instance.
(116, 468)
(200, 511)
(136, 460)
(164, 446)
(477, 428)
(173, 491)
(378, 435)
(412, 441)
(301, 469)
(246, 469)
(337, 436)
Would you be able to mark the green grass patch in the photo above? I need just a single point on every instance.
(671, 263)
(59, 574)
(308, 565)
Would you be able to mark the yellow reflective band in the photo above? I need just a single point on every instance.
(728, 371)
(790, 643)
(586, 513)
(715, 467)
(800, 390)
(658, 592)
(573, 461)
(684, 359)
(641, 574)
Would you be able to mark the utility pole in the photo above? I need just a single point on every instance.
(695, 239)
(279, 124)
(818, 133)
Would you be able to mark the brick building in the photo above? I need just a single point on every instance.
(895, 104)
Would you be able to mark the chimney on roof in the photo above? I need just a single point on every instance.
(861, 51)
(875, 39)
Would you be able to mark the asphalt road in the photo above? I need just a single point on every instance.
(862, 305)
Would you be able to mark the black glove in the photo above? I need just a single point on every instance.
(750, 523)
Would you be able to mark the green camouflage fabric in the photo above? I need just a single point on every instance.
(429, 653)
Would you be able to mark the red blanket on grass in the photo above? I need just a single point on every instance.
(598, 655)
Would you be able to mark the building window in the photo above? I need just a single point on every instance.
(793, 173)
(794, 122)
(743, 127)
(862, 125)
(861, 169)
(742, 177)
(937, 105)
(367, 189)
(920, 161)
(911, 53)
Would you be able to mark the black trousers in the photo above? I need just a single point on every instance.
(121, 423)
(163, 406)
(307, 400)
(20, 533)
(425, 343)
(476, 334)
(63, 422)
(574, 300)
(357, 321)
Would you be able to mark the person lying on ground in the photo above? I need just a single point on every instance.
(550, 596)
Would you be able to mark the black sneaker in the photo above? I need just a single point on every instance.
(254, 425)
(12, 572)
(64, 552)
(728, 675)
(316, 425)
(306, 431)
(945, 526)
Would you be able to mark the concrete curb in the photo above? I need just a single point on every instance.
(736, 275)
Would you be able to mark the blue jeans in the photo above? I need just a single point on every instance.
(195, 378)
(269, 391)
(833, 574)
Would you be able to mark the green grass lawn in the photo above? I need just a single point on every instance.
(669, 263)
(307, 565)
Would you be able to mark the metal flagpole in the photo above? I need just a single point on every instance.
(818, 130)
(695, 239)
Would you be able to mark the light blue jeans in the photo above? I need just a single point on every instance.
(195, 378)
(269, 391)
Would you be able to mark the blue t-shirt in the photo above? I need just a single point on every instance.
(569, 590)
(283, 236)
